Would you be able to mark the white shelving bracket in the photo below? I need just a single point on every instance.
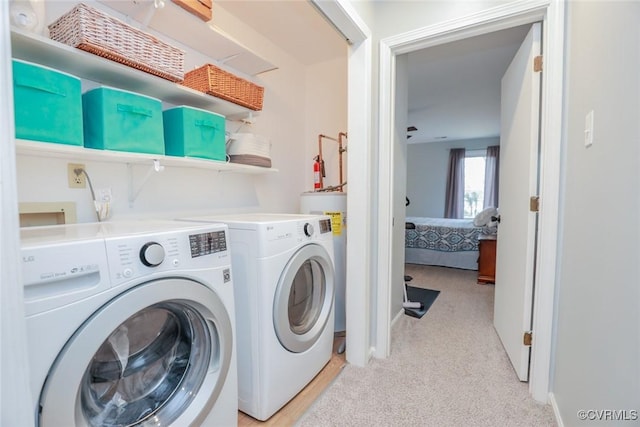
(134, 193)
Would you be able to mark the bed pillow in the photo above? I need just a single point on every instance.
(484, 217)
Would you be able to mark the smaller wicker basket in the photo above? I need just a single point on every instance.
(93, 31)
(223, 84)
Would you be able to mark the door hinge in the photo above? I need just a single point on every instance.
(537, 63)
(534, 204)
(527, 338)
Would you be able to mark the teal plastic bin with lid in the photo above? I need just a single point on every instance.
(119, 120)
(192, 132)
(47, 104)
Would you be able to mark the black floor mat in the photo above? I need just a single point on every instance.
(425, 296)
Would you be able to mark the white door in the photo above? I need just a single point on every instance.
(519, 136)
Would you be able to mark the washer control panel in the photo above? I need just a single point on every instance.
(139, 255)
(207, 243)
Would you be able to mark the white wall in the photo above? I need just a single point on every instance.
(327, 115)
(427, 166)
(311, 100)
(299, 102)
(598, 325)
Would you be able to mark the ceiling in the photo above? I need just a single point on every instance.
(294, 25)
(454, 89)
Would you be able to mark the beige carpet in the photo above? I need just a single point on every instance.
(446, 369)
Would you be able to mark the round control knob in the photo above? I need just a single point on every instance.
(308, 230)
(152, 254)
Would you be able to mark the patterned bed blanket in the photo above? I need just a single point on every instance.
(442, 234)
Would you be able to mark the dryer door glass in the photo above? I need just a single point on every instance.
(303, 301)
(150, 359)
(306, 296)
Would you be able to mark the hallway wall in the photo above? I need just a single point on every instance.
(598, 322)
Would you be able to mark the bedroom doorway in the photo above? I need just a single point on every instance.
(552, 15)
(518, 121)
(469, 75)
(500, 64)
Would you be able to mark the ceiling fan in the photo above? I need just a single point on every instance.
(411, 129)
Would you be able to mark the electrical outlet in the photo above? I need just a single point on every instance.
(76, 180)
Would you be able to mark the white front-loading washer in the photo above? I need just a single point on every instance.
(130, 323)
(284, 286)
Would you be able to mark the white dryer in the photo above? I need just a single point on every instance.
(130, 323)
(284, 287)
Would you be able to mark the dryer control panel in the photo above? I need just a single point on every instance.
(325, 226)
(314, 228)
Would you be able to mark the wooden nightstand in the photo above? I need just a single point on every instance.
(487, 258)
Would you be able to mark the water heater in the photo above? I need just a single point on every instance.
(333, 204)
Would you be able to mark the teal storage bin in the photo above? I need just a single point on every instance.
(47, 104)
(192, 132)
(123, 121)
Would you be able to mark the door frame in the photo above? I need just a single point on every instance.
(360, 292)
(15, 402)
(551, 13)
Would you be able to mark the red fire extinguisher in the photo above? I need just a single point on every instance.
(316, 173)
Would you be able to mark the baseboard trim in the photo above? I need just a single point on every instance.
(372, 354)
(397, 317)
(556, 410)
(373, 350)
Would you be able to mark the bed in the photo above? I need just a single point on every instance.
(442, 241)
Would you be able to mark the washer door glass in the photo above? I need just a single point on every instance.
(152, 360)
(304, 298)
(155, 355)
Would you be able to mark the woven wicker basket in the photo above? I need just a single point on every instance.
(223, 84)
(93, 31)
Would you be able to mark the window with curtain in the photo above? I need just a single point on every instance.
(491, 177)
(472, 181)
(474, 165)
(454, 201)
